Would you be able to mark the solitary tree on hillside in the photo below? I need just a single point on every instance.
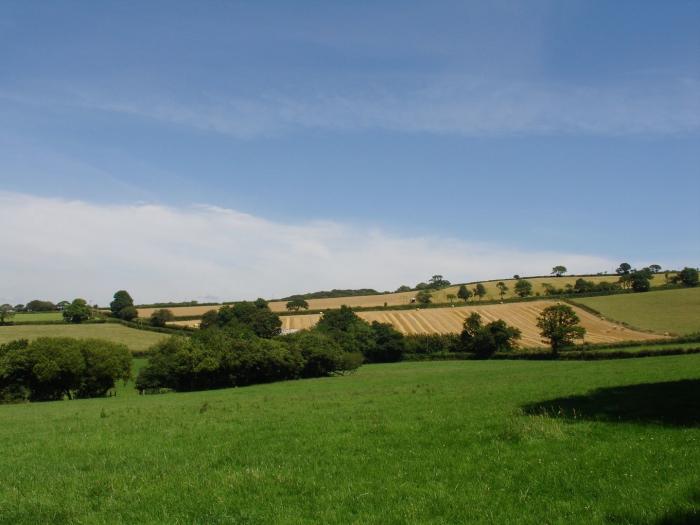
(6, 313)
(297, 304)
(451, 297)
(559, 325)
(122, 306)
(463, 293)
(479, 291)
(656, 268)
(558, 271)
(502, 288)
(403, 288)
(523, 288)
(624, 269)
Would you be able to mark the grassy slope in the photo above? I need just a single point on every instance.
(136, 340)
(441, 442)
(674, 311)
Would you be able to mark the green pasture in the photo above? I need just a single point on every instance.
(613, 441)
(136, 340)
(37, 316)
(673, 311)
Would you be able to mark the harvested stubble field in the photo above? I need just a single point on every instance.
(403, 298)
(449, 320)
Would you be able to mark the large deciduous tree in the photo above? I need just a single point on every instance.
(77, 311)
(559, 325)
(463, 293)
(687, 277)
(297, 304)
(523, 288)
(122, 306)
(559, 270)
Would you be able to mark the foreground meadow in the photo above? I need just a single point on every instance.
(440, 442)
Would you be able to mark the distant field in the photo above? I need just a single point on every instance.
(38, 316)
(136, 340)
(496, 442)
(449, 320)
(395, 299)
(673, 311)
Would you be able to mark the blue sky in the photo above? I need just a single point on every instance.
(540, 129)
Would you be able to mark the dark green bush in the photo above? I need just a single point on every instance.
(224, 357)
(53, 368)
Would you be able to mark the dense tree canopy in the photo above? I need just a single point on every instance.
(559, 270)
(523, 288)
(161, 317)
(463, 293)
(77, 311)
(53, 368)
(122, 306)
(486, 340)
(559, 325)
(297, 304)
(687, 277)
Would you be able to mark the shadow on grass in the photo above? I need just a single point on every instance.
(673, 403)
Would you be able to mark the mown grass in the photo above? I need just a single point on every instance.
(673, 311)
(437, 442)
(37, 316)
(136, 340)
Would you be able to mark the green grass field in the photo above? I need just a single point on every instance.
(136, 340)
(38, 316)
(673, 311)
(438, 442)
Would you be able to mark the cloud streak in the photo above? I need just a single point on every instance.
(60, 249)
(454, 105)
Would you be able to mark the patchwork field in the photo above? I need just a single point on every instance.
(38, 316)
(136, 340)
(449, 320)
(395, 299)
(673, 311)
(441, 442)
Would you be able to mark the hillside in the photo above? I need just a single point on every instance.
(522, 315)
(440, 442)
(404, 298)
(674, 311)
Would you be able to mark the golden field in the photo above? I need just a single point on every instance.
(449, 320)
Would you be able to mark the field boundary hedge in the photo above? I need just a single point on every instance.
(569, 355)
(51, 321)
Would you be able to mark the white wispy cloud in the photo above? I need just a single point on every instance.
(55, 248)
(453, 105)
